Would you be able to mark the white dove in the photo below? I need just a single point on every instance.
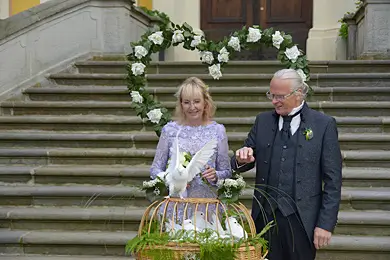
(177, 176)
(216, 225)
(235, 229)
(172, 227)
(200, 221)
(188, 225)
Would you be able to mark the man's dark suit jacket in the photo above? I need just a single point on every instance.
(318, 166)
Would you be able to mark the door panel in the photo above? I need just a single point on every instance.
(220, 18)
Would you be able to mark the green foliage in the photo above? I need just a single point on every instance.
(218, 251)
(231, 194)
(156, 192)
(140, 243)
(153, 245)
(343, 31)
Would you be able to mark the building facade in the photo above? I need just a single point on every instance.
(312, 23)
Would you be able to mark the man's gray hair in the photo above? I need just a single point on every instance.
(295, 79)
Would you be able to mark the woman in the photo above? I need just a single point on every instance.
(194, 112)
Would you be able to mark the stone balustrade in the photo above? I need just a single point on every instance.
(51, 36)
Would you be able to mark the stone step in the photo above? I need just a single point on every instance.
(132, 156)
(369, 223)
(356, 248)
(134, 175)
(168, 67)
(353, 198)
(224, 109)
(83, 196)
(121, 93)
(82, 123)
(47, 139)
(228, 80)
(98, 123)
(39, 156)
(64, 243)
(62, 257)
(113, 243)
(76, 218)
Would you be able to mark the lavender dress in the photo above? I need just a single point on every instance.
(192, 139)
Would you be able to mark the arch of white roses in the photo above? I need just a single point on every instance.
(215, 55)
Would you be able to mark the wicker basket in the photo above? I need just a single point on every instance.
(181, 250)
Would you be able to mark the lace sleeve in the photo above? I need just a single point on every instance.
(222, 163)
(162, 153)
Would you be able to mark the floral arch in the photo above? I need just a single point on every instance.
(213, 54)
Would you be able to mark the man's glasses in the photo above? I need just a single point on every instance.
(271, 96)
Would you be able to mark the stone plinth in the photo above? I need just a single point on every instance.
(369, 31)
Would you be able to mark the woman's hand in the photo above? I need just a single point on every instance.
(210, 174)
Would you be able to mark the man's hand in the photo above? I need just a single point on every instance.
(321, 237)
(245, 155)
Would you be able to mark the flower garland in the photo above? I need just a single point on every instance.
(213, 54)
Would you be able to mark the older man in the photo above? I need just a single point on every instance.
(298, 170)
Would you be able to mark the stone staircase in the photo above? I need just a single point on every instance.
(73, 152)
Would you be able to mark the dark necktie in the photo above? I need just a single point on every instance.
(286, 133)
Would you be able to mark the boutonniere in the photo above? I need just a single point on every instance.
(308, 133)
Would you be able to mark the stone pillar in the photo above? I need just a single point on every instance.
(180, 11)
(4, 9)
(352, 39)
(323, 42)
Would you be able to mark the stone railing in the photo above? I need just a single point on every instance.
(369, 31)
(51, 36)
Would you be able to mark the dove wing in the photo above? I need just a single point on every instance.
(200, 159)
(175, 157)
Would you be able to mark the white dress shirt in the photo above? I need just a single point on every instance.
(295, 122)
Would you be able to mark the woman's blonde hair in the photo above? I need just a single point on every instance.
(192, 87)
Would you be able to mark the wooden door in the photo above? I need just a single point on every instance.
(219, 18)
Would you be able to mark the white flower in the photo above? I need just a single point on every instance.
(228, 193)
(292, 53)
(157, 38)
(302, 74)
(146, 184)
(215, 71)
(156, 191)
(223, 55)
(150, 184)
(240, 182)
(177, 36)
(207, 57)
(220, 183)
(253, 35)
(234, 42)
(197, 39)
(140, 51)
(231, 183)
(277, 39)
(138, 68)
(137, 98)
(190, 256)
(155, 115)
